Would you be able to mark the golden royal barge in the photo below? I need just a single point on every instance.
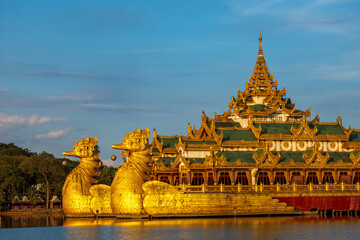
(262, 155)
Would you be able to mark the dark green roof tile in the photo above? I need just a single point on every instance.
(169, 142)
(336, 156)
(275, 128)
(233, 156)
(167, 161)
(237, 135)
(258, 107)
(227, 124)
(287, 156)
(355, 137)
(196, 160)
(328, 129)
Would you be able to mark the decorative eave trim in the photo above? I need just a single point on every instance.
(179, 159)
(307, 113)
(243, 143)
(202, 147)
(355, 158)
(298, 132)
(351, 145)
(288, 137)
(210, 132)
(181, 145)
(316, 154)
(266, 154)
(255, 131)
(159, 166)
(158, 144)
(316, 120)
(214, 161)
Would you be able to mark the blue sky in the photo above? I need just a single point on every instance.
(71, 69)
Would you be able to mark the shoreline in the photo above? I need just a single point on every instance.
(35, 212)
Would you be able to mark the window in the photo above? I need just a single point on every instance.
(242, 179)
(328, 178)
(312, 178)
(184, 179)
(164, 179)
(357, 177)
(280, 178)
(224, 178)
(263, 178)
(210, 179)
(197, 179)
(177, 181)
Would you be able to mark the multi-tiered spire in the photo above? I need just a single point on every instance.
(261, 98)
(261, 82)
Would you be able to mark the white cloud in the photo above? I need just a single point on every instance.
(329, 16)
(8, 122)
(71, 97)
(110, 163)
(4, 90)
(112, 107)
(53, 134)
(349, 72)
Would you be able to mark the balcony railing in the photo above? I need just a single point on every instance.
(269, 188)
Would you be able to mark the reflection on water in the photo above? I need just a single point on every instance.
(208, 228)
(20, 221)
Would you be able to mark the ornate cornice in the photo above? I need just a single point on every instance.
(266, 155)
(158, 145)
(304, 131)
(355, 158)
(316, 155)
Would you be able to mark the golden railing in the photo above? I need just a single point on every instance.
(270, 188)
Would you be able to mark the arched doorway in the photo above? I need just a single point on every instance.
(177, 181)
(312, 178)
(197, 179)
(328, 178)
(210, 179)
(263, 178)
(164, 179)
(224, 178)
(280, 178)
(184, 179)
(242, 179)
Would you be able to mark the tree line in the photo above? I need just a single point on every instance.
(23, 172)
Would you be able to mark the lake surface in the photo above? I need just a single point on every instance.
(31, 227)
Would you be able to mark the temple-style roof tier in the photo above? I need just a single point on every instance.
(266, 158)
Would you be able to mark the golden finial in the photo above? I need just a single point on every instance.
(260, 46)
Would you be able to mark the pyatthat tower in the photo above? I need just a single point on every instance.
(262, 139)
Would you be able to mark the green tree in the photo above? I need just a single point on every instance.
(46, 167)
(13, 150)
(13, 180)
(107, 175)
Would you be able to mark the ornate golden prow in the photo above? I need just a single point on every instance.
(126, 188)
(78, 189)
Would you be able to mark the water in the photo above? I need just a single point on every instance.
(209, 228)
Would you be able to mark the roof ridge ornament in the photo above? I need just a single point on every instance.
(260, 46)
